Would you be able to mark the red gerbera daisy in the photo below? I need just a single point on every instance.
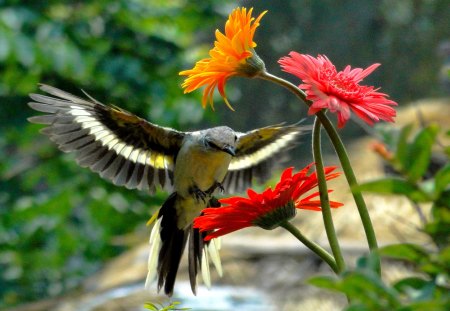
(340, 91)
(267, 209)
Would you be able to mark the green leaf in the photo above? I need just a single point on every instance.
(327, 282)
(358, 307)
(433, 305)
(447, 151)
(151, 306)
(394, 185)
(444, 256)
(362, 287)
(419, 152)
(410, 282)
(442, 180)
(159, 307)
(369, 262)
(368, 288)
(4, 46)
(438, 227)
(402, 146)
(409, 252)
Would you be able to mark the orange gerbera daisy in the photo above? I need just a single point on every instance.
(233, 55)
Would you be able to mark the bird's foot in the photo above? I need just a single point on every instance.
(214, 187)
(221, 188)
(199, 194)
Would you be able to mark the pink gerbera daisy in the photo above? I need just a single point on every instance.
(340, 92)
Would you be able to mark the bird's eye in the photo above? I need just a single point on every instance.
(210, 144)
(235, 137)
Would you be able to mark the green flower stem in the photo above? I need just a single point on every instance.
(286, 84)
(324, 199)
(351, 178)
(317, 249)
(343, 157)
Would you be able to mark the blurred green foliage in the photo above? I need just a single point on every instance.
(58, 222)
(158, 307)
(421, 178)
(422, 174)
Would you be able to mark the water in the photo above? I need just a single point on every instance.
(218, 298)
(223, 298)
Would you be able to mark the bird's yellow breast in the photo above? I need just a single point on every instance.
(200, 168)
(196, 167)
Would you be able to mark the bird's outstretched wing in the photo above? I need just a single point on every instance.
(118, 145)
(257, 152)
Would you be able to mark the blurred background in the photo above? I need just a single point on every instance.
(60, 223)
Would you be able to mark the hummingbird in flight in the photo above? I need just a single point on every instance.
(132, 152)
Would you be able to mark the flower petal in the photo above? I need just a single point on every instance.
(228, 58)
(261, 208)
(340, 92)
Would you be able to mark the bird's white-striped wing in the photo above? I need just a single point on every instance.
(257, 153)
(118, 145)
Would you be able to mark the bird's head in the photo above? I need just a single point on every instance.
(221, 138)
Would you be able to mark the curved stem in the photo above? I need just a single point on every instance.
(286, 84)
(317, 249)
(353, 183)
(324, 199)
(343, 158)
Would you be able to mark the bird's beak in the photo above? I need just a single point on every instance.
(230, 150)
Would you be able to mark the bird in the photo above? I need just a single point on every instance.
(133, 152)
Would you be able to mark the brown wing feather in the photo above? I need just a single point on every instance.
(258, 152)
(113, 142)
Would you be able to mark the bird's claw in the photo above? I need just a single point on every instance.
(202, 195)
(199, 194)
(221, 188)
(214, 187)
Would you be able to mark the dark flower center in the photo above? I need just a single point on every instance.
(274, 218)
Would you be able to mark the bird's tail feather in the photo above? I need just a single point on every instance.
(167, 246)
(201, 253)
(173, 242)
